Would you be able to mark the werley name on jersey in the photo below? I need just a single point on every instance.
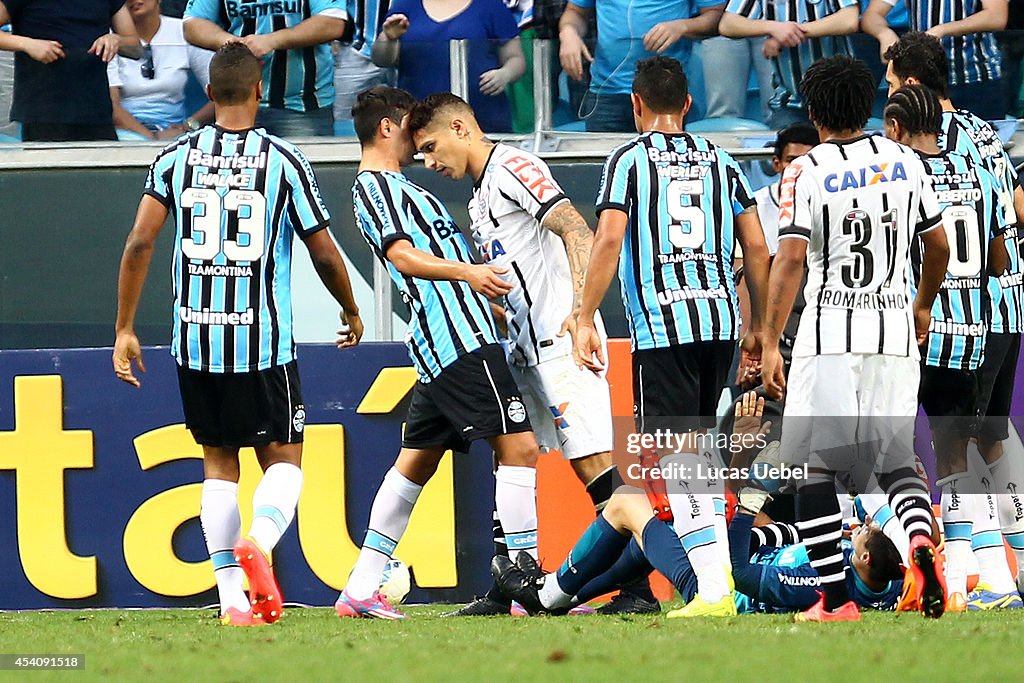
(863, 177)
(197, 157)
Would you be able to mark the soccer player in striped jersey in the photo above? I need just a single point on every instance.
(799, 33)
(851, 208)
(523, 222)
(238, 196)
(965, 29)
(465, 390)
(671, 206)
(918, 58)
(974, 222)
(293, 38)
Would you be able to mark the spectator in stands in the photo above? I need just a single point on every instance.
(60, 80)
(798, 34)
(149, 94)
(294, 41)
(727, 65)
(1011, 45)
(975, 69)
(626, 33)
(416, 36)
(546, 17)
(354, 70)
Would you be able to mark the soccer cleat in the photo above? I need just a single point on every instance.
(629, 603)
(983, 599)
(926, 566)
(726, 607)
(847, 612)
(908, 598)
(374, 608)
(956, 603)
(236, 617)
(264, 595)
(480, 607)
(517, 584)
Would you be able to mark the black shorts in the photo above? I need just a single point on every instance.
(474, 398)
(996, 378)
(678, 387)
(950, 400)
(232, 410)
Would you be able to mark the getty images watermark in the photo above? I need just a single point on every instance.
(665, 442)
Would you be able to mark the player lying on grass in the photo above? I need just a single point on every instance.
(768, 579)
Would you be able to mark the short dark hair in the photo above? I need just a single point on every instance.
(427, 109)
(885, 557)
(661, 83)
(839, 92)
(234, 73)
(917, 109)
(799, 133)
(920, 55)
(376, 104)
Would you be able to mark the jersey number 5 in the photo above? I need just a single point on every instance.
(208, 207)
(687, 230)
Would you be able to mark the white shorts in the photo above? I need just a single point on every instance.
(570, 408)
(851, 412)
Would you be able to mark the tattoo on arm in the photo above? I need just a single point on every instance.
(566, 222)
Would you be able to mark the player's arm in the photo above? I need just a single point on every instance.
(756, 264)
(991, 17)
(841, 23)
(664, 35)
(933, 272)
(138, 252)
(572, 29)
(566, 222)
(411, 262)
(739, 25)
(316, 30)
(604, 260)
(45, 51)
(998, 258)
(874, 23)
(783, 285)
(330, 266)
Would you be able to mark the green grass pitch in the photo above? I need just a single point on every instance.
(314, 645)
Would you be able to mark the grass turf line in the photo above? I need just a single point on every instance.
(313, 644)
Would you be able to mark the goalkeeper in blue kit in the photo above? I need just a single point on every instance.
(627, 540)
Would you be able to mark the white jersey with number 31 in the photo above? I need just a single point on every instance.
(859, 204)
(507, 211)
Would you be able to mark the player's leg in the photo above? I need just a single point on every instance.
(996, 588)
(1003, 455)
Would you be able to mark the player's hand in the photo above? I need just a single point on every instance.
(486, 280)
(772, 48)
(44, 51)
(493, 82)
(884, 41)
(106, 46)
(569, 327)
(126, 350)
(588, 351)
(749, 410)
(749, 369)
(664, 35)
(772, 373)
(395, 26)
(351, 330)
(922, 322)
(260, 45)
(572, 52)
(787, 33)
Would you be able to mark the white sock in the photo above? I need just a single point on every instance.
(712, 460)
(273, 504)
(389, 518)
(693, 510)
(551, 594)
(218, 513)
(987, 543)
(515, 499)
(1007, 479)
(957, 525)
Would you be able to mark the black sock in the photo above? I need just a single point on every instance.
(601, 487)
(909, 500)
(776, 535)
(821, 526)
